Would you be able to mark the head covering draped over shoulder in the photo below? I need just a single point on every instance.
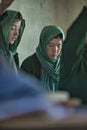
(6, 21)
(50, 68)
(81, 57)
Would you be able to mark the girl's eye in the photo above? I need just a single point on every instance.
(58, 45)
(50, 45)
(13, 28)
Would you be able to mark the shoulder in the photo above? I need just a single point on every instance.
(31, 65)
(31, 58)
(30, 61)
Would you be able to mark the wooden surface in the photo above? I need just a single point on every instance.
(76, 118)
(42, 121)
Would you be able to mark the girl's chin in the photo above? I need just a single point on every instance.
(12, 42)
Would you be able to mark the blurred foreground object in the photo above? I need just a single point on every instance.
(59, 97)
(4, 4)
(23, 104)
(20, 95)
(63, 97)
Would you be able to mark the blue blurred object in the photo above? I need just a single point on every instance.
(21, 94)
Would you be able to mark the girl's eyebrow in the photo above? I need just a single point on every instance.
(53, 43)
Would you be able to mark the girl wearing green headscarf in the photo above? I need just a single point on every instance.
(45, 63)
(11, 29)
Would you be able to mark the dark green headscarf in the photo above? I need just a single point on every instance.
(73, 74)
(81, 61)
(50, 68)
(6, 21)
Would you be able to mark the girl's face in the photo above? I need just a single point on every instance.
(14, 32)
(54, 47)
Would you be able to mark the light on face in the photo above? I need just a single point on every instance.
(14, 32)
(54, 47)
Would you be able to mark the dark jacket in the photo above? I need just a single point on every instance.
(32, 66)
(73, 76)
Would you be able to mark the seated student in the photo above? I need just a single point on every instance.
(45, 62)
(11, 29)
(74, 59)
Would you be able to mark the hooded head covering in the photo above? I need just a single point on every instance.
(50, 68)
(6, 22)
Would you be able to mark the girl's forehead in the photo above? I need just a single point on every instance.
(17, 23)
(55, 40)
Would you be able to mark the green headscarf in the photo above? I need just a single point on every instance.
(50, 68)
(5, 25)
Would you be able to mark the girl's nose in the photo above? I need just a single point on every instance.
(55, 48)
(17, 32)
